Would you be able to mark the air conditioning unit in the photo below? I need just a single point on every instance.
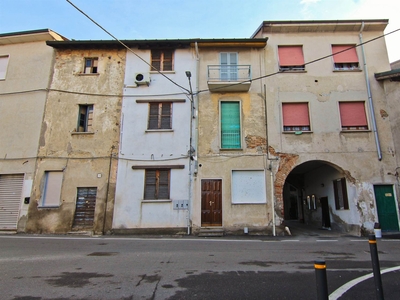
(142, 78)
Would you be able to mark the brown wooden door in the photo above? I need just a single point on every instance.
(211, 202)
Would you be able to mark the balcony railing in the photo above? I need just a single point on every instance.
(229, 78)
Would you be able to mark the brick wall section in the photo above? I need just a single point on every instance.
(286, 164)
(254, 141)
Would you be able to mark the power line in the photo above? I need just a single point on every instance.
(307, 63)
(129, 49)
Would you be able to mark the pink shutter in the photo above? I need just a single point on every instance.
(290, 56)
(295, 114)
(348, 56)
(353, 113)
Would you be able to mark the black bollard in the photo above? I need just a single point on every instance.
(375, 266)
(322, 283)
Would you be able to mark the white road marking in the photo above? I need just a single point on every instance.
(344, 288)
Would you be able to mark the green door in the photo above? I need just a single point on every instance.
(386, 205)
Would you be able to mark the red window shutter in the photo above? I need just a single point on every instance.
(348, 56)
(290, 55)
(295, 114)
(353, 113)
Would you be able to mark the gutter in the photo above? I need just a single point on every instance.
(370, 102)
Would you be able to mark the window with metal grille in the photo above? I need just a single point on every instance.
(156, 185)
(353, 116)
(85, 118)
(160, 115)
(340, 190)
(230, 125)
(91, 64)
(345, 57)
(162, 60)
(295, 117)
(291, 58)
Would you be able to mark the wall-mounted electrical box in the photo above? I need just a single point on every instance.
(180, 204)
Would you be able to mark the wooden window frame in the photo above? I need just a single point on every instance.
(85, 118)
(91, 65)
(291, 127)
(340, 191)
(163, 62)
(163, 117)
(156, 181)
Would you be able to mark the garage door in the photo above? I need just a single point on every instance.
(10, 199)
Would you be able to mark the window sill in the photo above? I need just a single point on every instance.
(292, 71)
(356, 70)
(231, 149)
(82, 133)
(250, 203)
(163, 72)
(88, 74)
(300, 132)
(355, 130)
(159, 130)
(49, 206)
(157, 201)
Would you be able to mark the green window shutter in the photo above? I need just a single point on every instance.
(230, 125)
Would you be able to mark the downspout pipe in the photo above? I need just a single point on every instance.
(370, 103)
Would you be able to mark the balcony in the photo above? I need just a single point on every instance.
(229, 78)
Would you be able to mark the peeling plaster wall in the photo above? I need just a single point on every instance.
(84, 158)
(29, 68)
(215, 163)
(354, 152)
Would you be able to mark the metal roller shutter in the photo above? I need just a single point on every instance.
(10, 199)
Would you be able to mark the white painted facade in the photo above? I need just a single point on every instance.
(142, 148)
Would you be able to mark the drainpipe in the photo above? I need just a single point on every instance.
(270, 166)
(370, 103)
(193, 138)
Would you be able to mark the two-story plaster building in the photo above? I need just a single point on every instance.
(328, 126)
(74, 180)
(26, 65)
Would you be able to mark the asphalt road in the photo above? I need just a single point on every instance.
(120, 267)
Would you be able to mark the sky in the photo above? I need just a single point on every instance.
(182, 19)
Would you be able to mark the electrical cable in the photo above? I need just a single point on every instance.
(129, 49)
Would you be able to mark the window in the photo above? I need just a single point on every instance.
(3, 66)
(229, 66)
(295, 117)
(291, 58)
(352, 115)
(51, 188)
(340, 190)
(248, 186)
(162, 59)
(345, 58)
(230, 125)
(156, 184)
(91, 65)
(160, 115)
(85, 118)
